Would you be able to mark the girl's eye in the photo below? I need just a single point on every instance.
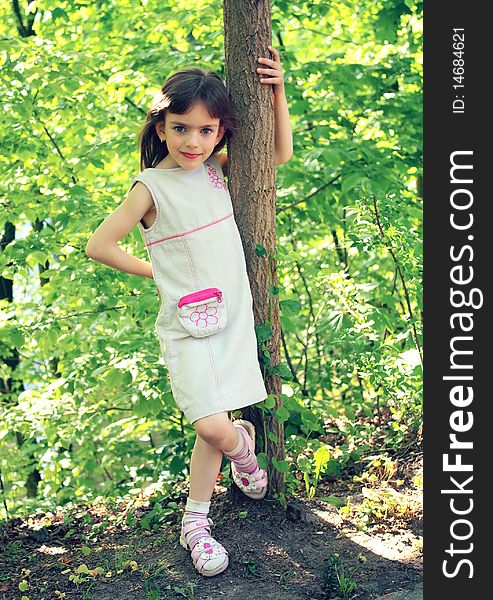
(208, 129)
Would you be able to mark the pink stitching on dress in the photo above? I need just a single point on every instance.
(217, 182)
(170, 237)
(204, 316)
(206, 339)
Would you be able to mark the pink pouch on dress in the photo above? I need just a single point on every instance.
(203, 312)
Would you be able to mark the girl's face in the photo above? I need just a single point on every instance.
(190, 137)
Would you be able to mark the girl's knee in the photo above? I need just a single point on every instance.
(212, 429)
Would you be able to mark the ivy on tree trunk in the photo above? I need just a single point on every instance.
(247, 35)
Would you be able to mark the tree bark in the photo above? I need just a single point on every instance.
(252, 184)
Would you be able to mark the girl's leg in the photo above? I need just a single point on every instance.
(245, 470)
(218, 430)
(235, 440)
(204, 468)
(215, 434)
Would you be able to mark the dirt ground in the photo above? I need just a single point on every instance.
(104, 554)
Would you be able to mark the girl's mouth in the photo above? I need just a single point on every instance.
(190, 155)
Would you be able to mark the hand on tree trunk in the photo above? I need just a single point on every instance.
(275, 72)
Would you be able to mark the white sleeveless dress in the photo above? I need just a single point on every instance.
(205, 324)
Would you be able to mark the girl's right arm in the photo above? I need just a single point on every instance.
(103, 244)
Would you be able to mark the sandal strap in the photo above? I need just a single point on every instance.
(206, 549)
(192, 525)
(243, 431)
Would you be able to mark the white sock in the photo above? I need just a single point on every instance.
(198, 506)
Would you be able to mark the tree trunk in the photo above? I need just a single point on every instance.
(247, 35)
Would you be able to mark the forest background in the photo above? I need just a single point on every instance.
(86, 409)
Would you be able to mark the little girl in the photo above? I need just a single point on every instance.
(205, 324)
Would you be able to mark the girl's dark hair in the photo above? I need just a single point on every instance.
(177, 94)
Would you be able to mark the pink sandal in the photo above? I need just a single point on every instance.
(205, 549)
(253, 485)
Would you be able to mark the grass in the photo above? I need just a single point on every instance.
(339, 581)
(152, 593)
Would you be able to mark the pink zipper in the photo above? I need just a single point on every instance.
(200, 295)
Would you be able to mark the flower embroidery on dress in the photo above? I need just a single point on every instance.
(217, 182)
(245, 481)
(203, 315)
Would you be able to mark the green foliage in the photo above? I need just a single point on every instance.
(89, 410)
(378, 506)
(158, 513)
(339, 581)
(320, 458)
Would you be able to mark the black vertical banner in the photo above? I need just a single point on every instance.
(458, 232)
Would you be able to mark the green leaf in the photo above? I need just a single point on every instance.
(260, 250)
(351, 181)
(153, 406)
(139, 407)
(69, 533)
(282, 414)
(270, 401)
(59, 13)
(82, 569)
(331, 157)
(290, 307)
(97, 162)
(289, 325)
(177, 464)
(12, 336)
(283, 371)
(333, 468)
(263, 460)
(263, 332)
(117, 378)
(303, 463)
(309, 417)
(280, 465)
(338, 502)
(322, 456)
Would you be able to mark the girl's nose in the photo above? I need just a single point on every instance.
(192, 142)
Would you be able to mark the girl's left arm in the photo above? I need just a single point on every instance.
(283, 137)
